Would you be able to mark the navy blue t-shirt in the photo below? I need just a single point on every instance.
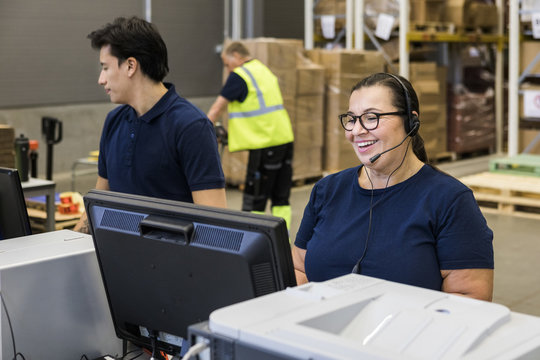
(235, 88)
(167, 153)
(428, 223)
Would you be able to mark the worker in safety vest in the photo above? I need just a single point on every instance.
(258, 122)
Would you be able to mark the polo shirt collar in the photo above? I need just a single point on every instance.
(162, 105)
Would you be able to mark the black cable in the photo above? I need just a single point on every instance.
(15, 353)
(357, 269)
(84, 357)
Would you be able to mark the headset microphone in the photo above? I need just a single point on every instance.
(375, 157)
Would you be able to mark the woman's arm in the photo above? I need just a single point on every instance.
(474, 283)
(299, 257)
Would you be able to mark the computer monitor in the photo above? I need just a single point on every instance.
(14, 220)
(166, 264)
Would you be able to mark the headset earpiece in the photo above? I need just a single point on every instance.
(414, 125)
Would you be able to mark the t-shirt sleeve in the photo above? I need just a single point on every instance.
(235, 88)
(465, 241)
(200, 156)
(305, 231)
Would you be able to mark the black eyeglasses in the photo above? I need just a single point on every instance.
(369, 120)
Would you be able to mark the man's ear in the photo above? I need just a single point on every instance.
(132, 65)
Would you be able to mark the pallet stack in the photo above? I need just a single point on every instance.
(7, 146)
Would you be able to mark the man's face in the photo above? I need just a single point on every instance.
(113, 77)
(231, 61)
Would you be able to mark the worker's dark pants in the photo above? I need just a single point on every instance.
(269, 175)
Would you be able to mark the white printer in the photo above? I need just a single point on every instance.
(360, 317)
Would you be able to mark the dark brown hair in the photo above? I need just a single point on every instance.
(399, 101)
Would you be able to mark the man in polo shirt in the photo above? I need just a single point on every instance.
(156, 143)
(258, 122)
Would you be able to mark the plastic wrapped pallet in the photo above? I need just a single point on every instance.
(471, 124)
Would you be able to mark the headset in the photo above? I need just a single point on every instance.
(412, 123)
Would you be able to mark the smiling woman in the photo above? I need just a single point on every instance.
(394, 216)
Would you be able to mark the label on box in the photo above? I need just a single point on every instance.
(531, 103)
(385, 23)
(328, 25)
(535, 19)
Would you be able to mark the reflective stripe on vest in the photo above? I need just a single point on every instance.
(263, 109)
(261, 120)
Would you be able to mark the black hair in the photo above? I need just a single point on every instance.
(134, 37)
(399, 101)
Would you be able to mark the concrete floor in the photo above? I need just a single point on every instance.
(516, 240)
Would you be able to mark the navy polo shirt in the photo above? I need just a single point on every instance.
(167, 153)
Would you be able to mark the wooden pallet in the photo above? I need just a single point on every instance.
(38, 219)
(506, 194)
(445, 156)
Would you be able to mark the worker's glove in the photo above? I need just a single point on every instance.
(221, 134)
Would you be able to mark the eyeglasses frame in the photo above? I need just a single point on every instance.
(359, 118)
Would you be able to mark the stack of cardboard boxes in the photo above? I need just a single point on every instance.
(7, 146)
(343, 69)
(429, 82)
(308, 123)
(471, 14)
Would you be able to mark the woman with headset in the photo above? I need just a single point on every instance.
(394, 216)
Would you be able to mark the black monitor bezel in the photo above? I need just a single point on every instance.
(15, 206)
(272, 227)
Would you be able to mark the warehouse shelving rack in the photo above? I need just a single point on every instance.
(515, 79)
(354, 24)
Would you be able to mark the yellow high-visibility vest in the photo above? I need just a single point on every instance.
(260, 121)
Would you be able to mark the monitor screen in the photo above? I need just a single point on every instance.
(167, 264)
(14, 220)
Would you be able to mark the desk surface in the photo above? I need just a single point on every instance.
(34, 183)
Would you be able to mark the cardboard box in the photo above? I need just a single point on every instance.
(468, 13)
(287, 81)
(422, 71)
(526, 137)
(7, 146)
(423, 11)
(275, 53)
(234, 166)
(310, 79)
(434, 140)
(482, 15)
(309, 123)
(357, 62)
(528, 51)
(307, 162)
